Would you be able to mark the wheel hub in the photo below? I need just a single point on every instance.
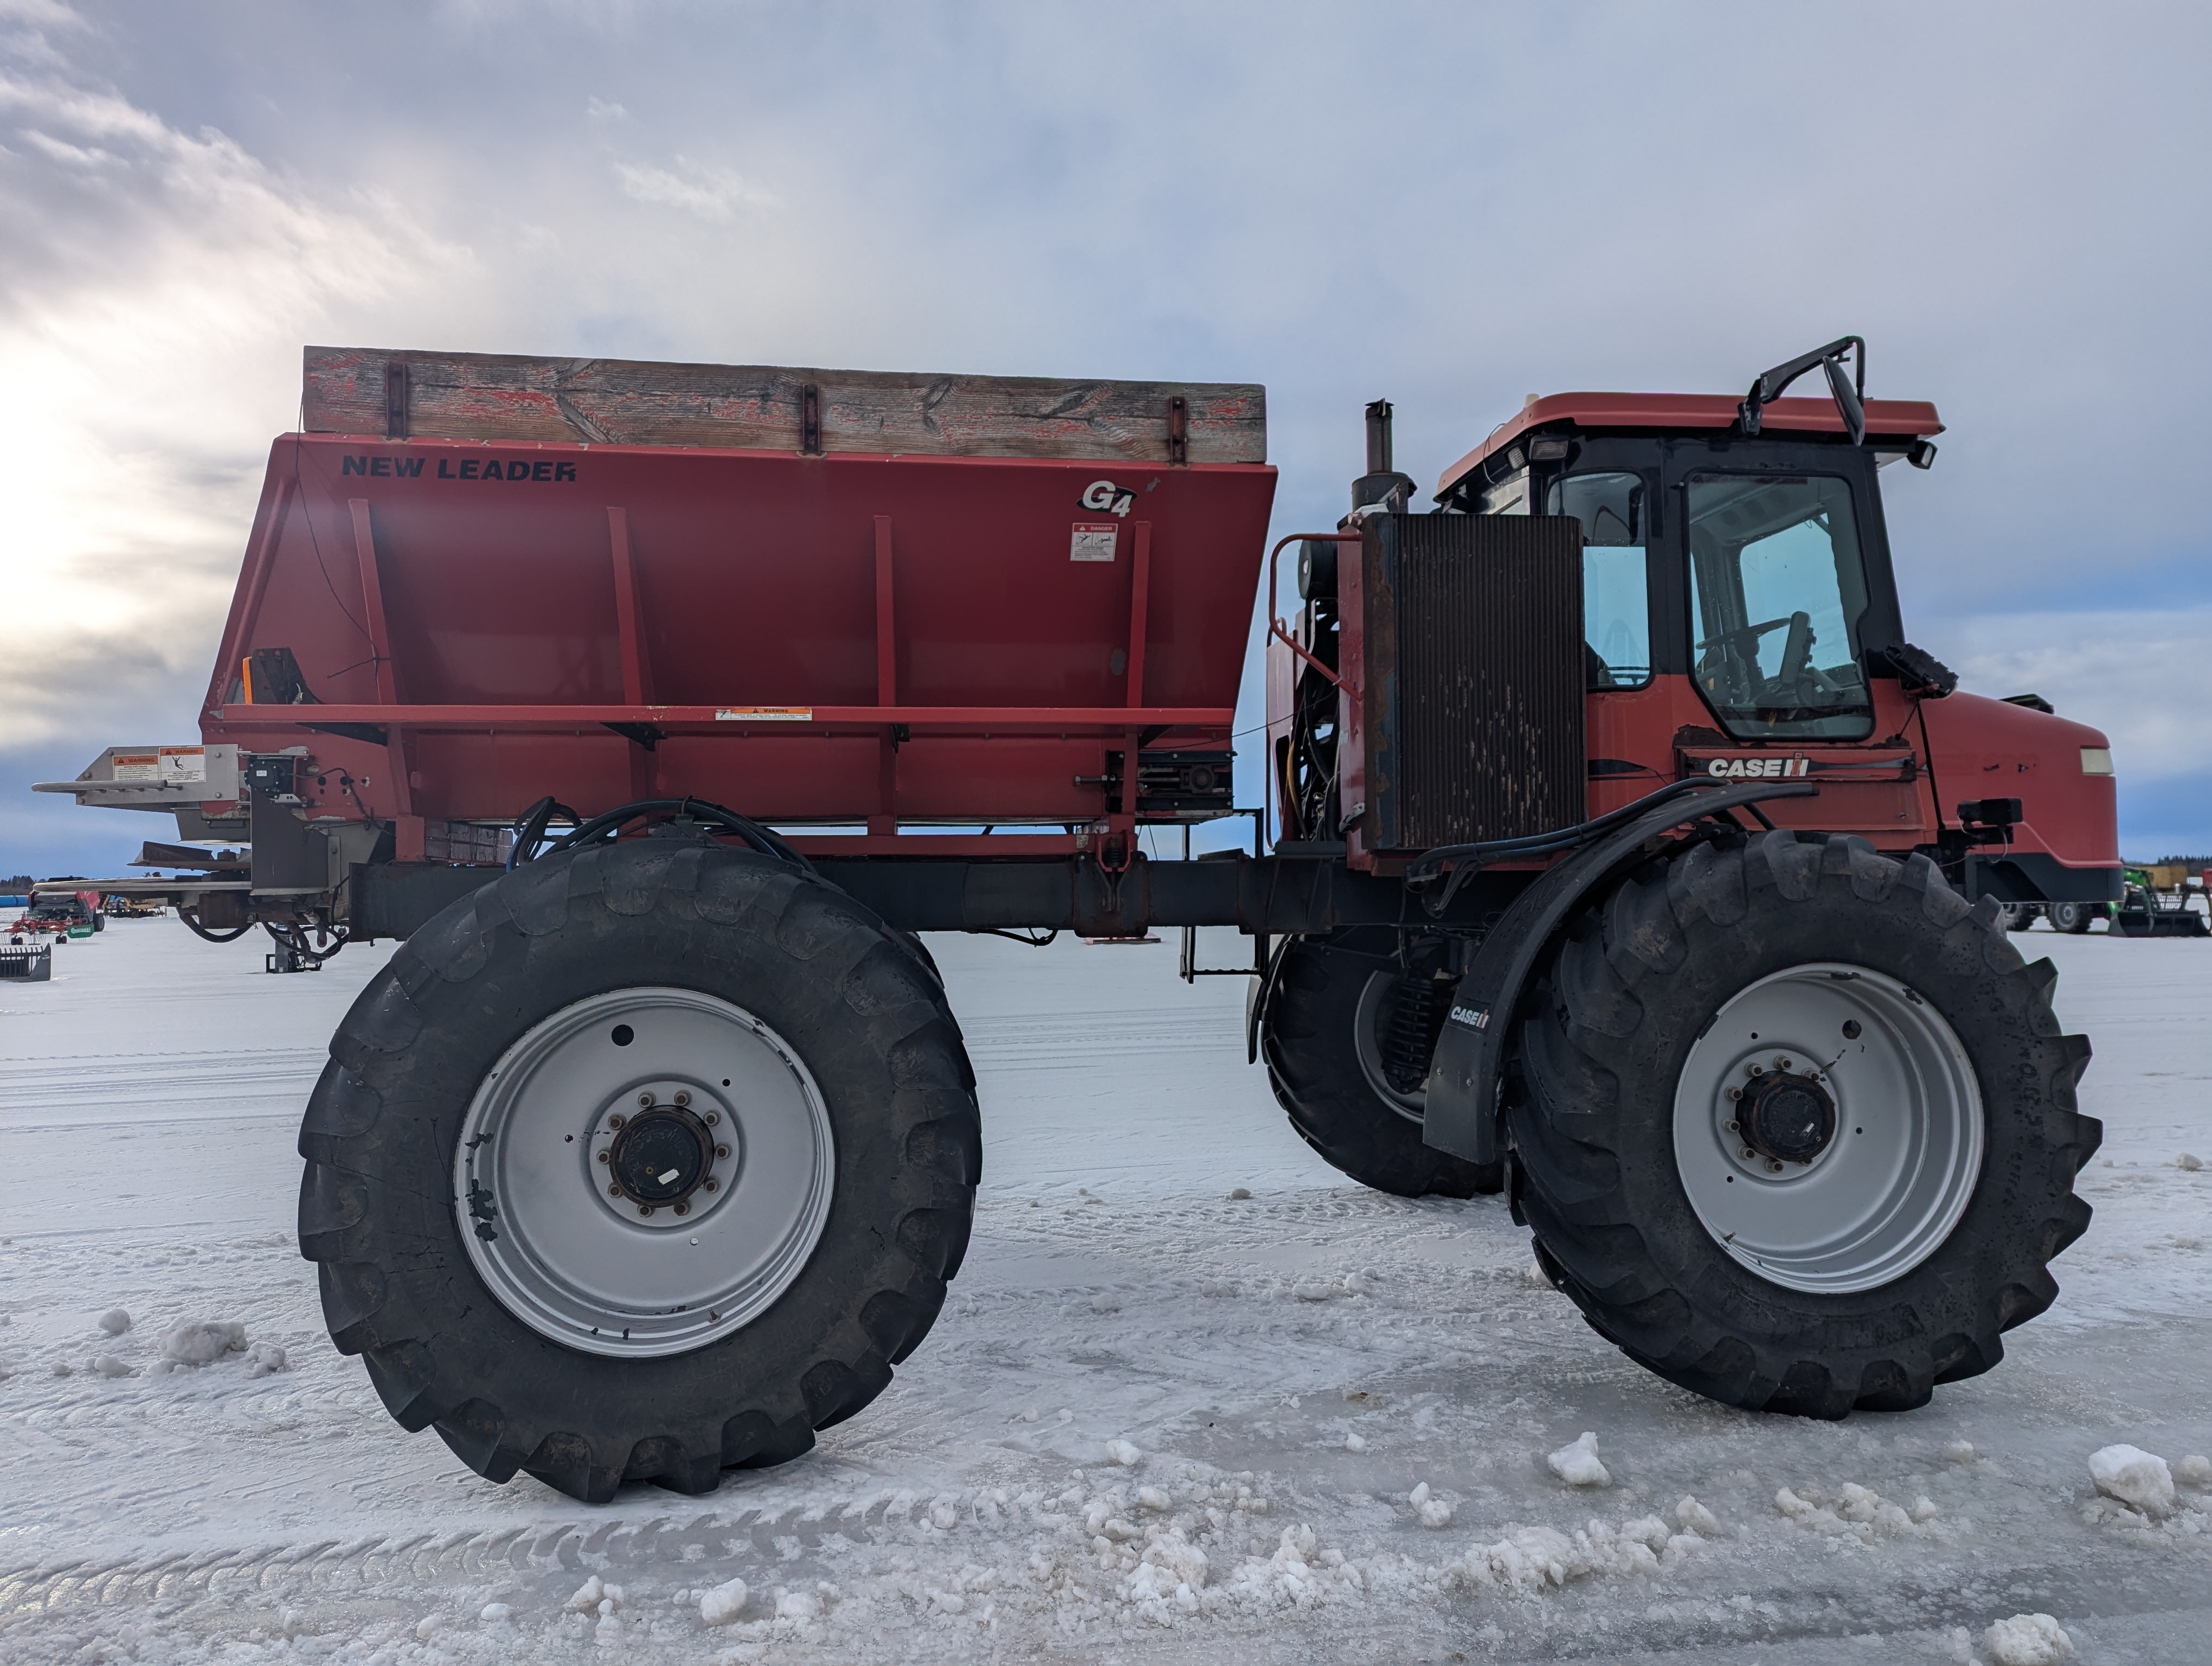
(661, 1156)
(1787, 1117)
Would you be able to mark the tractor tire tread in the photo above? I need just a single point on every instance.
(384, 1295)
(1572, 1129)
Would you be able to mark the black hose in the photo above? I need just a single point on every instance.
(699, 810)
(529, 831)
(197, 930)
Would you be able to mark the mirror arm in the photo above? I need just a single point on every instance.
(1771, 386)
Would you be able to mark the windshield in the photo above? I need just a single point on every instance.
(1777, 589)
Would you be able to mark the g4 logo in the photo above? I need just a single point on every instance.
(1105, 496)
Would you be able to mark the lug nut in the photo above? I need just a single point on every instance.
(713, 1185)
(713, 1117)
(614, 1191)
(616, 1121)
(1735, 1093)
(1772, 1167)
(645, 1209)
(721, 1151)
(1732, 1126)
(682, 1098)
(1757, 1070)
(603, 1158)
(682, 1208)
(646, 1100)
(1781, 1062)
(1749, 1155)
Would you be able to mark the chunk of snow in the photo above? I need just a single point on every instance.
(203, 1344)
(492, 1612)
(1535, 1275)
(2189, 1162)
(1693, 1518)
(1122, 1453)
(108, 1365)
(1648, 1530)
(1428, 1511)
(2133, 1476)
(2027, 1639)
(430, 1625)
(1959, 1451)
(1858, 1504)
(114, 1321)
(1354, 1444)
(1578, 1464)
(589, 1595)
(264, 1357)
(1925, 1509)
(720, 1605)
(803, 1606)
(2195, 1471)
(1238, 1194)
(1153, 1499)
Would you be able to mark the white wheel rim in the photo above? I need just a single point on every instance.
(1890, 1185)
(602, 1272)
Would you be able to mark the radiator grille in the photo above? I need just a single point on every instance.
(1475, 678)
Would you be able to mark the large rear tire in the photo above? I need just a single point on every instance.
(1909, 1093)
(1325, 1036)
(643, 1162)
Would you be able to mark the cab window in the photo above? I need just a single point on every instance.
(1777, 588)
(1616, 598)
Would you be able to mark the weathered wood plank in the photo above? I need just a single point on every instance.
(482, 396)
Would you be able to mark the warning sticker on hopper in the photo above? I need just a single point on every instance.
(136, 766)
(183, 763)
(1093, 542)
(764, 714)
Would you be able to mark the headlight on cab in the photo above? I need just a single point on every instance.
(2096, 760)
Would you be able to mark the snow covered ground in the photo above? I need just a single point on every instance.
(1159, 1420)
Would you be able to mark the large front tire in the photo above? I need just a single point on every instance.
(511, 1269)
(1325, 1036)
(1933, 1190)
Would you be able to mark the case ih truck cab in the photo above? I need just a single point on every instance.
(1629, 859)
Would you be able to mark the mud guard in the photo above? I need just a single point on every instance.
(1460, 1113)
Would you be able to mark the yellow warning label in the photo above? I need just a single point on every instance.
(764, 714)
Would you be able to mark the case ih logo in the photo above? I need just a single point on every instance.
(460, 468)
(1758, 768)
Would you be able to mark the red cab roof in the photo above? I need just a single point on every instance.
(1900, 419)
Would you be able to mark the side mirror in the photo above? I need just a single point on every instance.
(1847, 400)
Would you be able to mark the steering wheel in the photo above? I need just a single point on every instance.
(1729, 638)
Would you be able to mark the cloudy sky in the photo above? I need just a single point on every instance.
(1451, 206)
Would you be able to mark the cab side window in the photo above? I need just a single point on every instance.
(1616, 596)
